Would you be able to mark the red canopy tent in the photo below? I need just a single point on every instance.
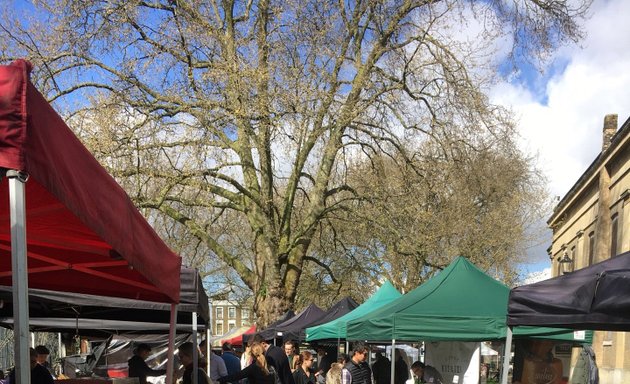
(80, 230)
(83, 232)
(237, 340)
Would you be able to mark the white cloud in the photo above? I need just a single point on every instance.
(566, 131)
(537, 276)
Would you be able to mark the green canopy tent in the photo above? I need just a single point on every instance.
(336, 329)
(461, 303)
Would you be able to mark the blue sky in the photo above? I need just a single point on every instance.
(561, 111)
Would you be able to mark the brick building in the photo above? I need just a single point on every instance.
(227, 315)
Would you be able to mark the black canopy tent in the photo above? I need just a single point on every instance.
(293, 328)
(592, 298)
(596, 297)
(340, 308)
(270, 333)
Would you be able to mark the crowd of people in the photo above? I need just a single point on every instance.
(264, 363)
(261, 363)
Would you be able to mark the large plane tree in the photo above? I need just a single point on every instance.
(236, 125)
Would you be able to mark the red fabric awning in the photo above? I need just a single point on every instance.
(237, 340)
(83, 232)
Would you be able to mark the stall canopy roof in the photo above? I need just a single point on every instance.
(293, 328)
(83, 232)
(596, 297)
(336, 329)
(459, 303)
(340, 308)
(270, 333)
(235, 337)
(54, 311)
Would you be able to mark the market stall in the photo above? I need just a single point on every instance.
(65, 224)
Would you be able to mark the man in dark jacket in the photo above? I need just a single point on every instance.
(381, 369)
(278, 359)
(139, 368)
(39, 374)
(232, 363)
(359, 369)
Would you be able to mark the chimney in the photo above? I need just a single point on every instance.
(610, 128)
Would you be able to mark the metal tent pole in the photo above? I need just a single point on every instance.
(393, 364)
(17, 203)
(507, 351)
(171, 344)
(207, 351)
(195, 373)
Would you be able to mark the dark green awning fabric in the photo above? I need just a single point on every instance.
(459, 303)
(336, 329)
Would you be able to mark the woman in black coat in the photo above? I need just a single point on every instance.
(303, 374)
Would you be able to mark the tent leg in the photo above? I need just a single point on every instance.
(195, 372)
(393, 364)
(507, 352)
(17, 202)
(171, 345)
(207, 351)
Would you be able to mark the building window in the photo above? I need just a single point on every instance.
(591, 248)
(231, 324)
(218, 329)
(244, 313)
(232, 313)
(244, 323)
(219, 312)
(613, 235)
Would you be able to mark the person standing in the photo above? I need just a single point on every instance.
(246, 356)
(42, 358)
(333, 376)
(381, 369)
(232, 362)
(360, 371)
(138, 366)
(401, 370)
(39, 374)
(185, 355)
(323, 361)
(217, 367)
(276, 358)
(291, 352)
(258, 372)
(303, 373)
(346, 377)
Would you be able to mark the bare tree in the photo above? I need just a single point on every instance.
(245, 116)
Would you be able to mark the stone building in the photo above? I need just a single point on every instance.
(226, 315)
(589, 225)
